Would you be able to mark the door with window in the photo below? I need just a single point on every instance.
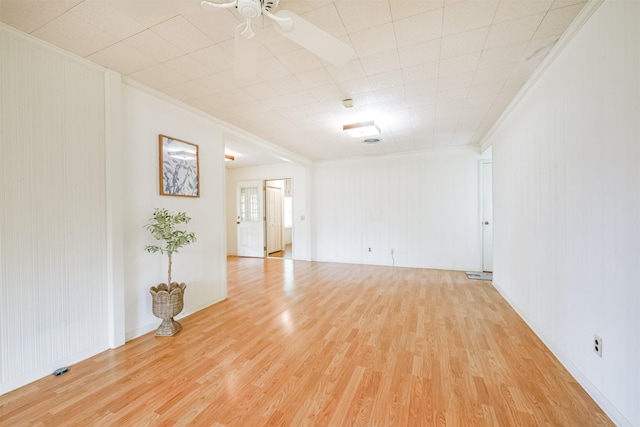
(250, 218)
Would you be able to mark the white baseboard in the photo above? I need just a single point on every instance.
(612, 412)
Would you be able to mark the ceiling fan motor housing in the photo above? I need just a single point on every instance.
(250, 9)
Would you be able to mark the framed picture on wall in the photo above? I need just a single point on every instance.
(179, 168)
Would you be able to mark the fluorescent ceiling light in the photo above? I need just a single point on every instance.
(361, 130)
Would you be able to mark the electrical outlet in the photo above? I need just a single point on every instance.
(370, 250)
(597, 345)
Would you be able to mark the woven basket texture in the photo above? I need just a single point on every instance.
(167, 303)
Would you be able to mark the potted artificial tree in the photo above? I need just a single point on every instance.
(168, 297)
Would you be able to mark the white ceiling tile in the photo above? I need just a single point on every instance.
(214, 57)
(72, 33)
(374, 40)
(403, 9)
(271, 68)
(386, 79)
(538, 47)
(285, 85)
(275, 103)
(356, 18)
(514, 9)
(312, 109)
(122, 58)
(353, 88)
(154, 46)
(494, 74)
(159, 77)
(28, 16)
(502, 55)
(390, 94)
(352, 70)
(238, 96)
(217, 25)
(420, 73)
(469, 15)
(314, 78)
(414, 58)
(381, 63)
(187, 91)
(420, 53)
(479, 90)
(458, 65)
(457, 81)
(453, 95)
(419, 28)
(510, 32)
(216, 83)
(424, 92)
(327, 92)
(188, 66)
(557, 20)
(464, 43)
(182, 34)
(262, 90)
(564, 3)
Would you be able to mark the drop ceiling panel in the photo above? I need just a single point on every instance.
(433, 73)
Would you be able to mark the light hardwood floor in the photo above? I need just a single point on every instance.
(304, 343)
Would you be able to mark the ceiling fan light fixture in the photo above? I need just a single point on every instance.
(361, 130)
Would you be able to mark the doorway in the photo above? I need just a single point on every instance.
(278, 218)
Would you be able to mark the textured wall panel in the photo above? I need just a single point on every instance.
(567, 204)
(423, 206)
(52, 225)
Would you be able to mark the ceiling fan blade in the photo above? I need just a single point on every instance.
(315, 40)
(245, 58)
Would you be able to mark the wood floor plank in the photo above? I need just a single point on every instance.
(306, 343)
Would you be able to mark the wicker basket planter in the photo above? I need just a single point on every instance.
(168, 303)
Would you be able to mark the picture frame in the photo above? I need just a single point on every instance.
(179, 167)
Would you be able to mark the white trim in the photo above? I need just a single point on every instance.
(114, 207)
(612, 412)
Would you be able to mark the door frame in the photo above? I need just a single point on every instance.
(486, 245)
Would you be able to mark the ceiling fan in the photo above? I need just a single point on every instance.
(288, 24)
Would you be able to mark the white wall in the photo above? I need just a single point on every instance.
(299, 174)
(201, 265)
(566, 166)
(424, 206)
(53, 232)
(78, 180)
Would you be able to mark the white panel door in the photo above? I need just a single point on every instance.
(275, 201)
(486, 170)
(250, 218)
